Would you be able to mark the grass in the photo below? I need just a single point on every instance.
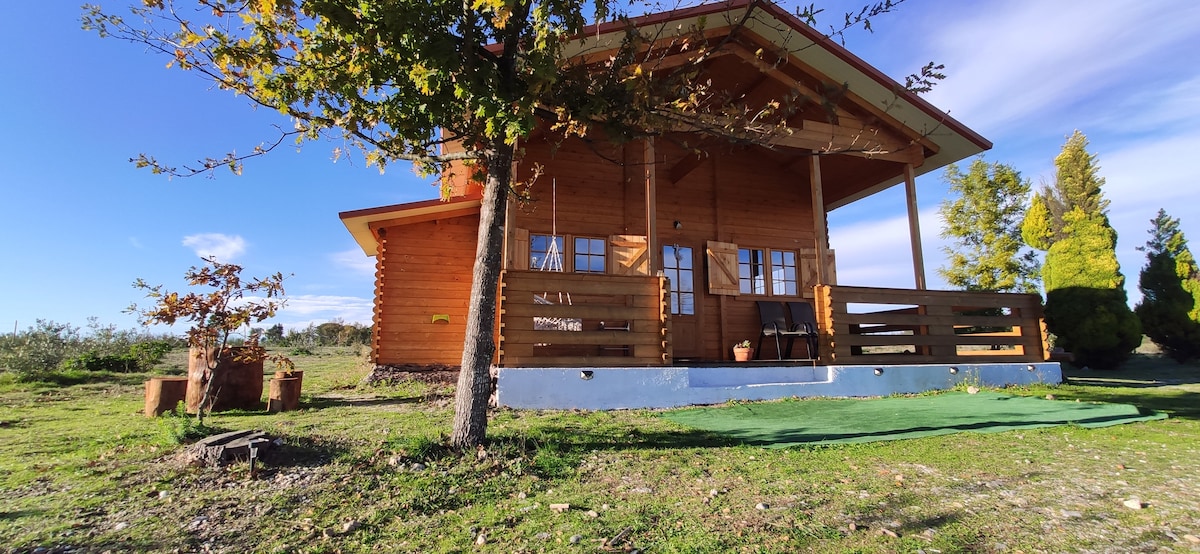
(363, 470)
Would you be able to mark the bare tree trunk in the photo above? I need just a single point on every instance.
(479, 348)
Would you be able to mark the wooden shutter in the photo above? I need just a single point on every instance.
(808, 268)
(630, 255)
(520, 251)
(722, 268)
(830, 267)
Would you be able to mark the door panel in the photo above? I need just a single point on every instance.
(679, 266)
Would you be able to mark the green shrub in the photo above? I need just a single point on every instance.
(1086, 305)
(1170, 285)
(39, 349)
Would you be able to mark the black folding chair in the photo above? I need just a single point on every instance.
(804, 323)
(774, 324)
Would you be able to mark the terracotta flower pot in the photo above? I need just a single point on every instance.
(742, 354)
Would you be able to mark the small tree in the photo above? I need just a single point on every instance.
(216, 316)
(1170, 285)
(984, 223)
(1086, 304)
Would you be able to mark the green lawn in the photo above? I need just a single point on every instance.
(362, 470)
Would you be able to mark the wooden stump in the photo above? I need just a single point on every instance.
(163, 393)
(237, 386)
(298, 374)
(284, 395)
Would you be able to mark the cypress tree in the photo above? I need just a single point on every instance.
(1086, 304)
(1170, 285)
(984, 223)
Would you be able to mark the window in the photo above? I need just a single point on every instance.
(783, 273)
(751, 271)
(677, 266)
(589, 255)
(768, 272)
(546, 252)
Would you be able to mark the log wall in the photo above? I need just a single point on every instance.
(423, 285)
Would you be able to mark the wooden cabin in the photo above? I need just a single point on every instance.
(651, 253)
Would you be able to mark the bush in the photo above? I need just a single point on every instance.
(1086, 305)
(92, 361)
(1095, 325)
(48, 348)
(39, 349)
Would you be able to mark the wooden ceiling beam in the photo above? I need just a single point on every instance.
(821, 138)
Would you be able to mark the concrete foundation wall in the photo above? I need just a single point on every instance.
(666, 387)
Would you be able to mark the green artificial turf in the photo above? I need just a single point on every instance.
(831, 421)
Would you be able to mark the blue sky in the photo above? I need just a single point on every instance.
(80, 223)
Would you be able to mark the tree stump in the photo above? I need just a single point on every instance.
(284, 395)
(218, 449)
(237, 385)
(298, 374)
(164, 393)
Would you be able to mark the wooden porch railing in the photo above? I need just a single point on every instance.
(929, 326)
(581, 320)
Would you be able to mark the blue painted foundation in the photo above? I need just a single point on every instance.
(667, 387)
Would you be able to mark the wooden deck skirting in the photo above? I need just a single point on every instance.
(941, 328)
(550, 319)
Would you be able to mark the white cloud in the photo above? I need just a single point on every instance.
(303, 309)
(1014, 61)
(222, 247)
(355, 261)
(878, 252)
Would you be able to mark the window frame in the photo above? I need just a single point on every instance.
(590, 255)
(768, 267)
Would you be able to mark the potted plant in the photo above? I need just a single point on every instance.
(742, 351)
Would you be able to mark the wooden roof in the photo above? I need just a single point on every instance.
(364, 224)
(865, 125)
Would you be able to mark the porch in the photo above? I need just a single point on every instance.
(576, 320)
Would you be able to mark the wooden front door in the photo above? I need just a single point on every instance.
(679, 265)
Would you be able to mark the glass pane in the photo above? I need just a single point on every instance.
(684, 255)
(685, 281)
(596, 264)
(687, 303)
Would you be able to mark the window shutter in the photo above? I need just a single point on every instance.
(831, 267)
(808, 268)
(520, 249)
(722, 268)
(630, 255)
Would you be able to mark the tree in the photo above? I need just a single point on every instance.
(1170, 285)
(216, 316)
(402, 80)
(1086, 305)
(984, 222)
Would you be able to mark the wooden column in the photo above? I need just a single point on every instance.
(914, 226)
(819, 224)
(651, 206)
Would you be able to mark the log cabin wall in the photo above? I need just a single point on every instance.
(422, 290)
(742, 196)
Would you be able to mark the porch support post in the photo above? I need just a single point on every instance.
(819, 224)
(651, 205)
(914, 226)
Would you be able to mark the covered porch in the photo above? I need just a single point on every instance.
(610, 346)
